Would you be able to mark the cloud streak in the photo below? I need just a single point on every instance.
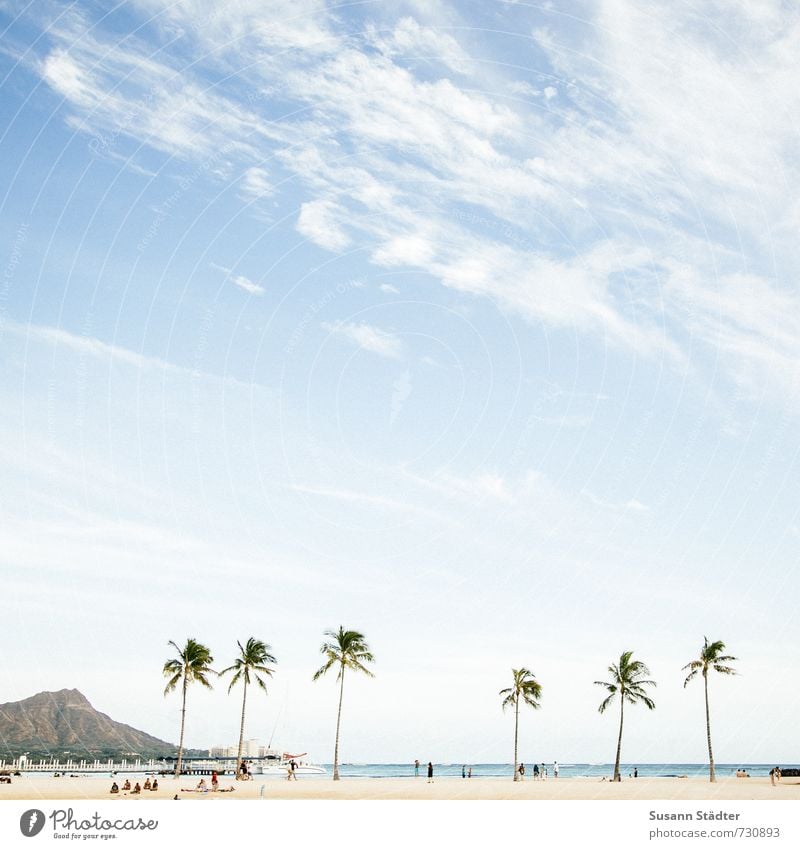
(368, 338)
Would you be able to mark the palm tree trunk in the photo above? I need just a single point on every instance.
(617, 776)
(338, 722)
(241, 734)
(183, 723)
(711, 776)
(516, 737)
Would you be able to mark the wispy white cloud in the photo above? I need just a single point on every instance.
(239, 280)
(631, 505)
(255, 184)
(85, 344)
(248, 25)
(246, 284)
(655, 138)
(319, 221)
(410, 39)
(368, 337)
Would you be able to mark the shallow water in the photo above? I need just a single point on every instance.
(490, 771)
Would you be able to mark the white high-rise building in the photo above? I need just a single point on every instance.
(251, 748)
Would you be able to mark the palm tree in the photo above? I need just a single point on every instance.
(193, 663)
(253, 658)
(627, 679)
(344, 650)
(527, 689)
(711, 657)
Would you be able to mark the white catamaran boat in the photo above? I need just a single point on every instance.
(277, 763)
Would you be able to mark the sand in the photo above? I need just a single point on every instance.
(33, 788)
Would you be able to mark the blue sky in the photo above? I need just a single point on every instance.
(473, 326)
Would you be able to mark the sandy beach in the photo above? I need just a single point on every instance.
(33, 788)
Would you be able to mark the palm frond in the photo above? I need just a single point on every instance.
(349, 650)
(234, 680)
(524, 687)
(606, 702)
(628, 679)
(711, 657)
(172, 683)
(509, 701)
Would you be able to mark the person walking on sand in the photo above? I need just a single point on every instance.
(536, 772)
(469, 773)
(416, 768)
(430, 772)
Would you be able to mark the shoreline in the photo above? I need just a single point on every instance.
(475, 789)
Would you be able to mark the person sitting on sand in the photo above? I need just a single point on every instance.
(126, 785)
(136, 788)
(155, 784)
(115, 787)
(146, 784)
(202, 787)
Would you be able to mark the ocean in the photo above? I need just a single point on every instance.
(497, 770)
(570, 770)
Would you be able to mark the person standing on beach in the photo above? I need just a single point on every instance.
(464, 771)
(469, 773)
(430, 772)
(636, 772)
(416, 768)
(555, 769)
(536, 772)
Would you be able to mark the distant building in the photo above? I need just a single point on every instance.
(251, 748)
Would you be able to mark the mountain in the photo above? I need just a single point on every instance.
(64, 721)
